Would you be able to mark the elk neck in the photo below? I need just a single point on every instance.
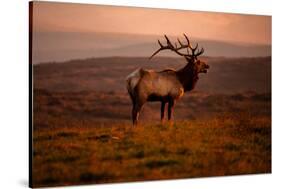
(188, 77)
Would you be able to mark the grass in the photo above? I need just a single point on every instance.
(226, 144)
(87, 137)
(83, 134)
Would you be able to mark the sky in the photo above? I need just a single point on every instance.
(70, 17)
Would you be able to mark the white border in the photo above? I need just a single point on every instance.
(14, 92)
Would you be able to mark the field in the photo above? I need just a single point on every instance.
(83, 133)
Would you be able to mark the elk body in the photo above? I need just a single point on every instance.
(166, 86)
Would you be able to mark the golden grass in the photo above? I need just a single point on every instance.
(83, 133)
(95, 152)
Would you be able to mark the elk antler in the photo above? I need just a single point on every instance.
(171, 47)
(176, 49)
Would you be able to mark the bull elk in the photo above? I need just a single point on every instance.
(166, 86)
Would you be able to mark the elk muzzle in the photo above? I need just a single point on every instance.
(204, 68)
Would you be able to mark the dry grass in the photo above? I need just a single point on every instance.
(76, 141)
(83, 133)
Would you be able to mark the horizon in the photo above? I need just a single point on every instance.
(62, 46)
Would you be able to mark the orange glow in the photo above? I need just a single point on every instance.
(70, 17)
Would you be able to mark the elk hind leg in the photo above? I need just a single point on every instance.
(163, 104)
(135, 112)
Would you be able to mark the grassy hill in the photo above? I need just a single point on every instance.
(87, 137)
(82, 132)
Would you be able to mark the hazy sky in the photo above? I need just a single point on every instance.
(62, 17)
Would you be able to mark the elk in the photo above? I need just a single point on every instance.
(166, 86)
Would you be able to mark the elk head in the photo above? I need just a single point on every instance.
(191, 54)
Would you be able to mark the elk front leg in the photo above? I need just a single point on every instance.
(163, 104)
(170, 111)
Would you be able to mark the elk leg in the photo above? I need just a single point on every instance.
(163, 104)
(170, 110)
(136, 112)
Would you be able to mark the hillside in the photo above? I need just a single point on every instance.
(87, 138)
(83, 134)
(226, 75)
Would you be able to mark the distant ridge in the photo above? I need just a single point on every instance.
(54, 46)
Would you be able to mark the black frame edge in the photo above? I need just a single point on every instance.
(30, 99)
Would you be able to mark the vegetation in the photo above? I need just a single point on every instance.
(82, 132)
(89, 144)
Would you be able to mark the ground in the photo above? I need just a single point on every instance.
(76, 141)
(83, 134)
